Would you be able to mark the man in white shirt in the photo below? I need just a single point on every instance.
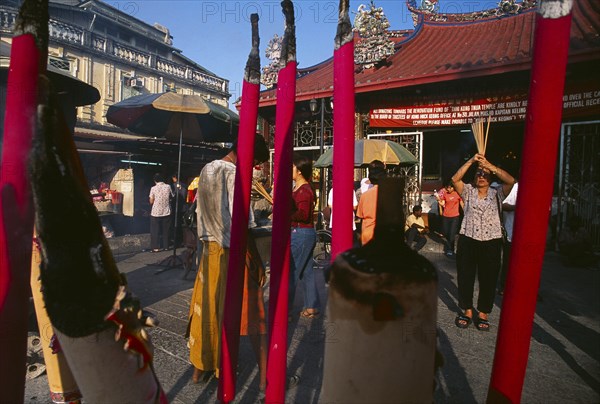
(160, 215)
(354, 206)
(508, 214)
(216, 188)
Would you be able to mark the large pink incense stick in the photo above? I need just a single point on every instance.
(542, 128)
(280, 247)
(230, 331)
(343, 128)
(98, 323)
(27, 61)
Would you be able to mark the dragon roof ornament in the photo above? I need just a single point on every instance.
(273, 53)
(428, 10)
(374, 44)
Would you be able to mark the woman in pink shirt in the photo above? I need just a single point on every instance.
(450, 201)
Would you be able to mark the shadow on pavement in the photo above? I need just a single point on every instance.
(574, 331)
(209, 391)
(454, 375)
(308, 345)
(543, 337)
(437, 238)
(152, 288)
(183, 380)
(122, 257)
(448, 291)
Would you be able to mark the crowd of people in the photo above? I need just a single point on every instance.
(474, 218)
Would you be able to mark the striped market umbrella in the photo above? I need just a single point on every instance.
(170, 115)
(367, 150)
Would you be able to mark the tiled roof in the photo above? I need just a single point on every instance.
(444, 51)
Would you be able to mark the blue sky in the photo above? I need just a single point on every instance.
(216, 34)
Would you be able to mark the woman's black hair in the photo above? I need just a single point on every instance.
(304, 165)
(158, 177)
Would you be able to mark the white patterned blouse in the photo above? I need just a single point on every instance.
(482, 220)
(161, 193)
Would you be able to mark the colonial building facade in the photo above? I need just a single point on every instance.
(119, 55)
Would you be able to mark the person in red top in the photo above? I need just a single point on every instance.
(303, 238)
(450, 201)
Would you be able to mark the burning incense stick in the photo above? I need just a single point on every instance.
(536, 183)
(28, 57)
(487, 131)
(343, 127)
(480, 135)
(280, 249)
(98, 323)
(230, 329)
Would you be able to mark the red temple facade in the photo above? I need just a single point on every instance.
(454, 69)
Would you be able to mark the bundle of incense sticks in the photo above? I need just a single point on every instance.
(257, 186)
(479, 135)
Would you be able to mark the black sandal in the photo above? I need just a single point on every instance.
(462, 321)
(482, 324)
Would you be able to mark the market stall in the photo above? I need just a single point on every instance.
(114, 199)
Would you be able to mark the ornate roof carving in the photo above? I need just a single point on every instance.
(273, 53)
(373, 45)
(428, 10)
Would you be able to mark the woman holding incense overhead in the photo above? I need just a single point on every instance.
(303, 238)
(480, 239)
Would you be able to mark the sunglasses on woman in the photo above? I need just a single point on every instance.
(481, 173)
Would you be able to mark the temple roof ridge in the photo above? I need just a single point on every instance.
(443, 52)
(428, 12)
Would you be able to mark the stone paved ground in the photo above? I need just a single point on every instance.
(563, 367)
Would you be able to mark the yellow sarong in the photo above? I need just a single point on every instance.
(206, 308)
